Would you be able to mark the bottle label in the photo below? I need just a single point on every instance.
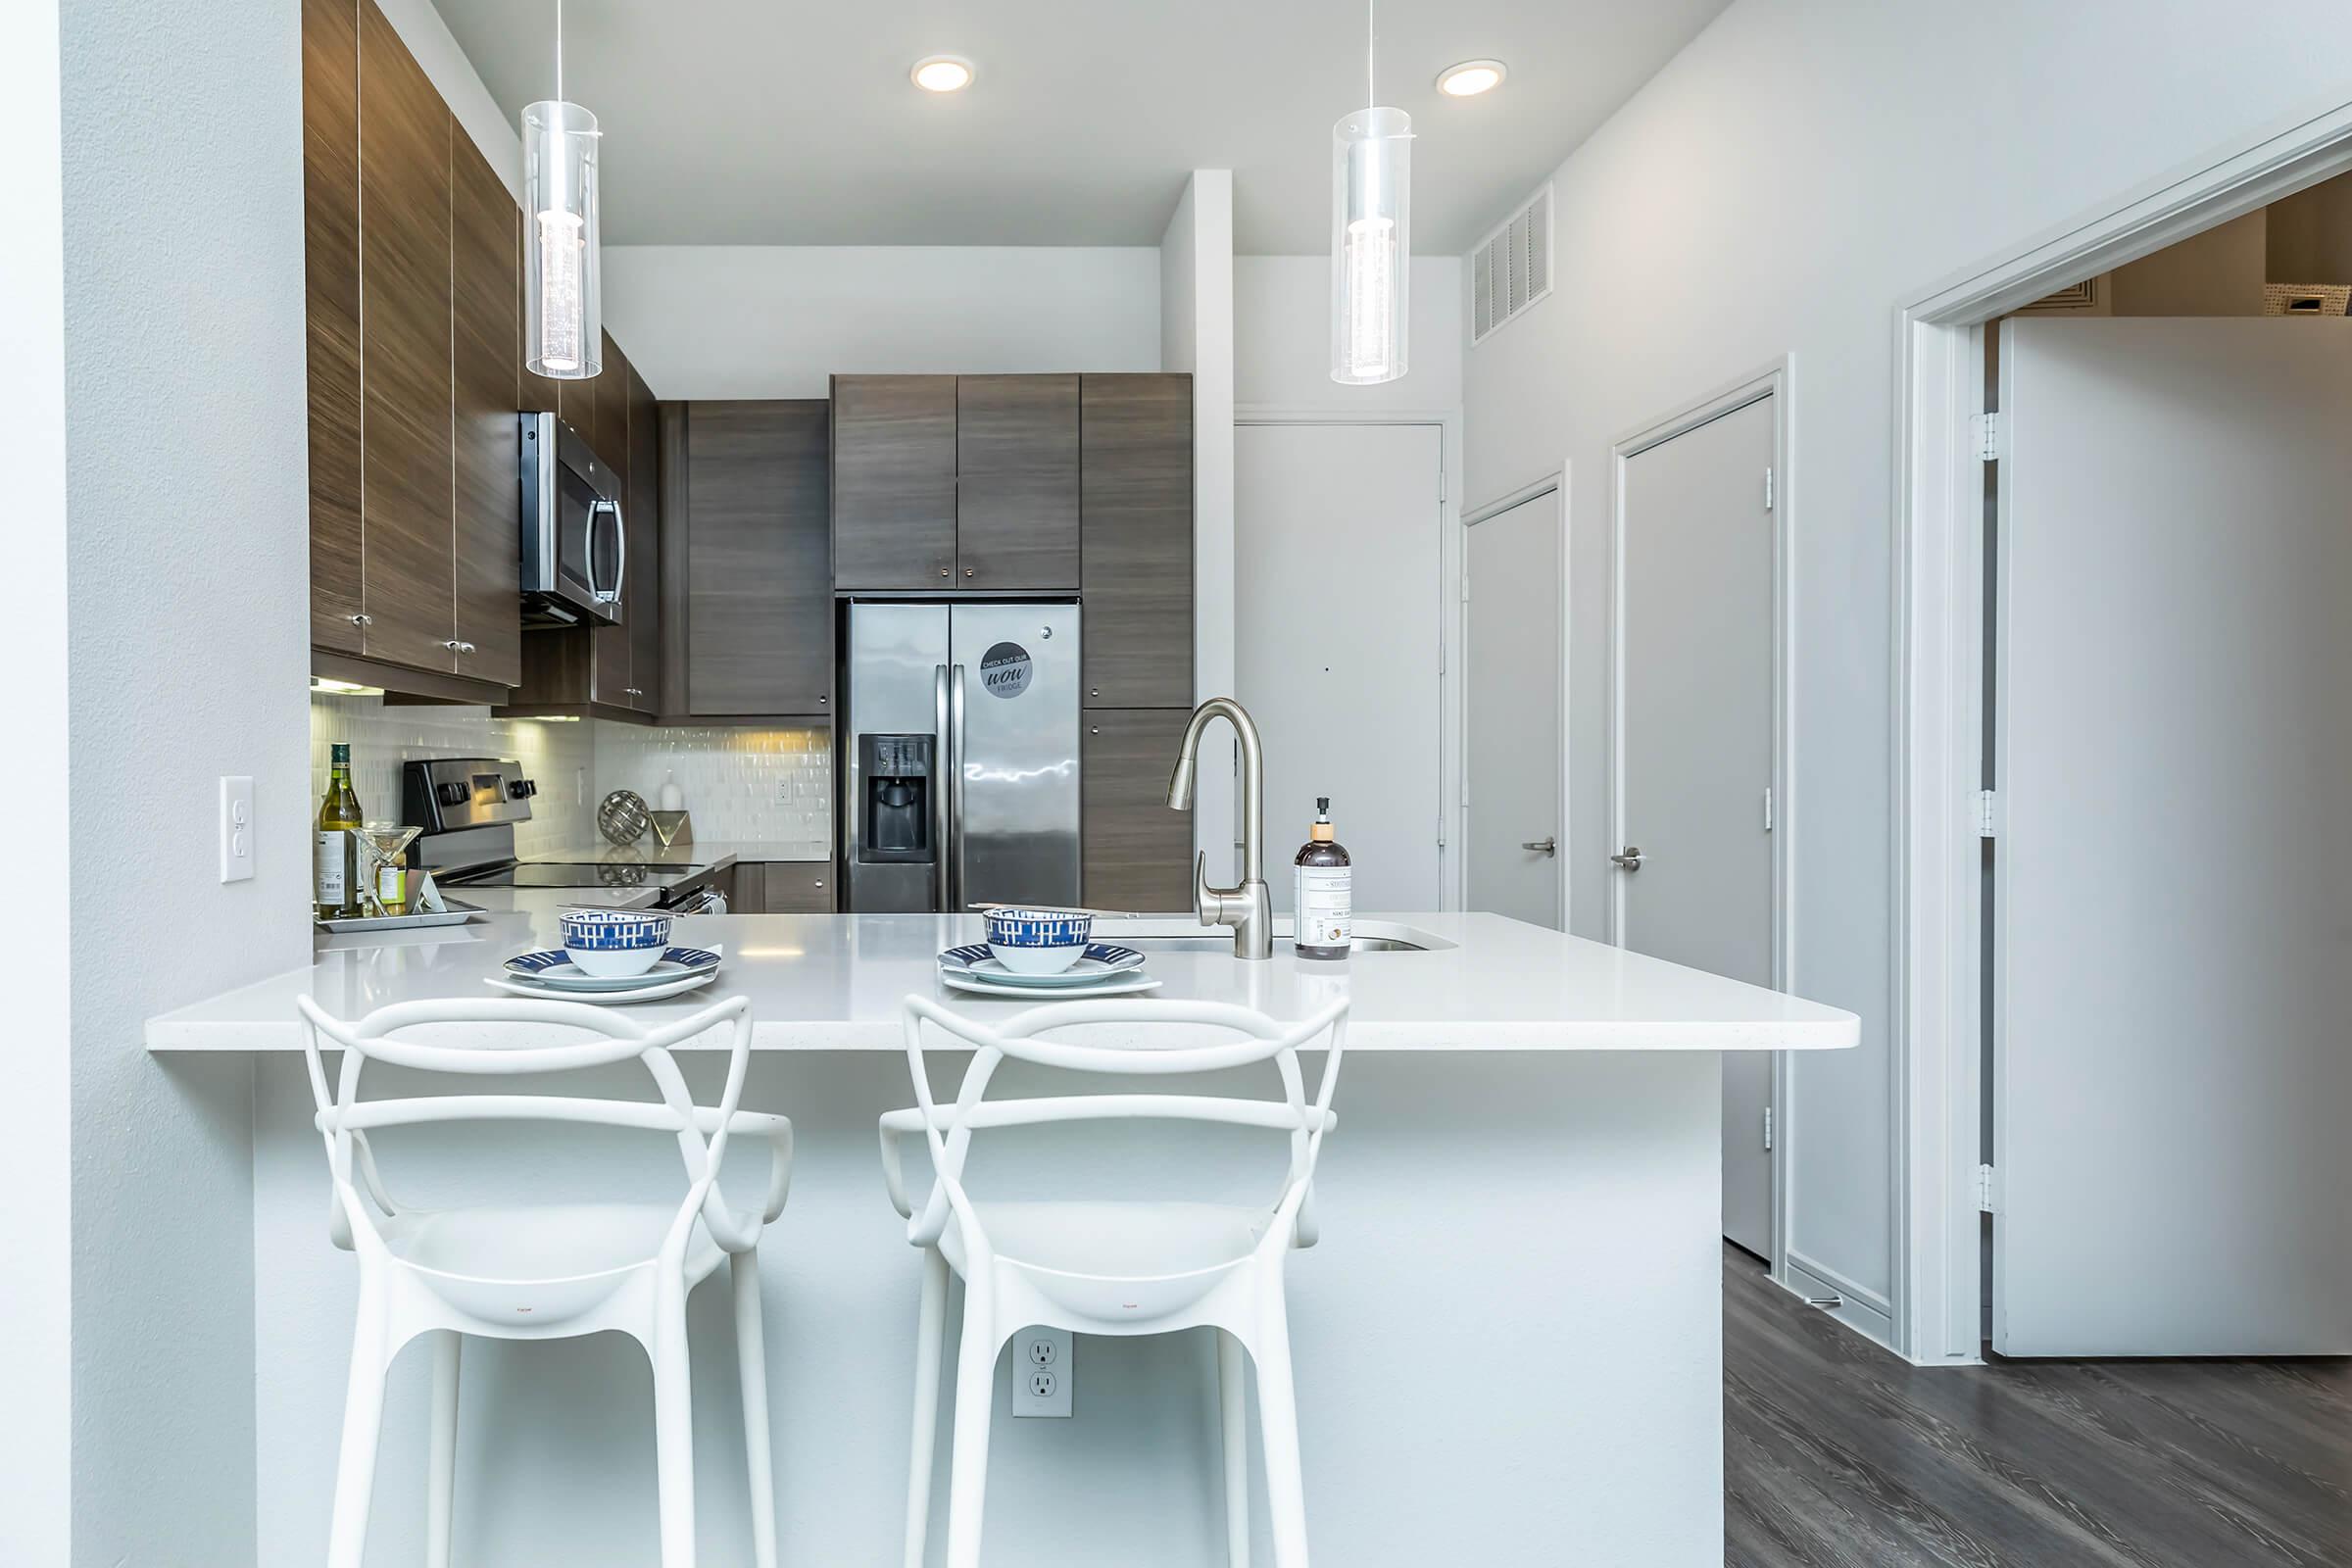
(391, 885)
(331, 863)
(1324, 897)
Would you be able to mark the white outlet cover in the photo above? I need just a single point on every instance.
(236, 828)
(1043, 1371)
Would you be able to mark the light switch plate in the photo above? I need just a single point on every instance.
(1043, 1371)
(236, 828)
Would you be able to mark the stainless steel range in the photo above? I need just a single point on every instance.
(467, 808)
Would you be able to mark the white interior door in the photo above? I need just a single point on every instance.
(1336, 610)
(1511, 700)
(2173, 1042)
(1694, 743)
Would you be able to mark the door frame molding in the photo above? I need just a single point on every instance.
(1936, 1086)
(1554, 483)
(1451, 726)
(1775, 380)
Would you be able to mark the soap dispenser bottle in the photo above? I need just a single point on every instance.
(1323, 892)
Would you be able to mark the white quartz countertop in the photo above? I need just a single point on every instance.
(833, 982)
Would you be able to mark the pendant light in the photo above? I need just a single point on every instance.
(562, 283)
(1371, 240)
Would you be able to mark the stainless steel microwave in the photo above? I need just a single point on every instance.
(575, 544)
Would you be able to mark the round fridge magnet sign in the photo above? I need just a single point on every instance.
(1005, 669)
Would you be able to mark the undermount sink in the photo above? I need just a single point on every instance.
(1378, 939)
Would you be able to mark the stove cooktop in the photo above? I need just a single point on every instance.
(578, 874)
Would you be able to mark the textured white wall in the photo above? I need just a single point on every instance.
(1282, 337)
(1778, 188)
(773, 321)
(187, 642)
(36, 1155)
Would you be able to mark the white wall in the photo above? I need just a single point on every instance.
(1778, 187)
(1282, 337)
(774, 320)
(35, 1155)
(186, 530)
(1197, 334)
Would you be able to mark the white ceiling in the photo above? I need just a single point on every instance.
(792, 122)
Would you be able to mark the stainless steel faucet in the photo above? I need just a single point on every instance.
(1248, 909)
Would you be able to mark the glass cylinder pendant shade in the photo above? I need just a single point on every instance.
(1371, 244)
(562, 289)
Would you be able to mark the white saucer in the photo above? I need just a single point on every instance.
(645, 993)
(1117, 984)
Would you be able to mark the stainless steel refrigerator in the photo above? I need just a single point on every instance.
(961, 756)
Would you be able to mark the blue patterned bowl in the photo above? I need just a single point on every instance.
(1038, 941)
(614, 942)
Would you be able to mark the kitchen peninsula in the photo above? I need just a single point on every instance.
(1510, 1333)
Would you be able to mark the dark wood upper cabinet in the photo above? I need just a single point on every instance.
(330, 223)
(408, 459)
(610, 390)
(486, 379)
(1016, 459)
(1135, 854)
(893, 481)
(643, 590)
(1135, 540)
(757, 600)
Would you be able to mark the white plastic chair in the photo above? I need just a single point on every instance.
(1095, 1266)
(539, 1271)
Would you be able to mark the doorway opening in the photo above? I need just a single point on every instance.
(2098, 548)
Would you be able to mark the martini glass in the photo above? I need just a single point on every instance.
(387, 881)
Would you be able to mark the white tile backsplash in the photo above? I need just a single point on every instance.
(770, 785)
(774, 786)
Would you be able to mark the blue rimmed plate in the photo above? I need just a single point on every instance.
(1100, 961)
(551, 970)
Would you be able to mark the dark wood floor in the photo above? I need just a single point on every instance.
(1838, 1453)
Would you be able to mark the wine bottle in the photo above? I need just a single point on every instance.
(335, 858)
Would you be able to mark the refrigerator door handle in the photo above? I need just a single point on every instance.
(942, 808)
(957, 898)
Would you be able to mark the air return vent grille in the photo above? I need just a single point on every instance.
(1511, 268)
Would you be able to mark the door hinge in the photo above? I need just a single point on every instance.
(1767, 807)
(1988, 814)
(1441, 484)
(1989, 1190)
(1766, 1126)
(1441, 830)
(1989, 434)
(1767, 489)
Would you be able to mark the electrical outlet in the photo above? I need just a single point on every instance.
(236, 828)
(1042, 1372)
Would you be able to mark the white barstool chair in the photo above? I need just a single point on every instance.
(1107, 1266)
(541, 1271)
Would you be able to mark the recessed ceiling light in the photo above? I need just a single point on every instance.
(1471, 77)
(943, 73)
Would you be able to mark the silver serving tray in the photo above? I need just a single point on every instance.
(458, 914)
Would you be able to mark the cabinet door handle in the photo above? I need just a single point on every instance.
(361, 620)
(942, 572)
(453, 645)
(967, 571)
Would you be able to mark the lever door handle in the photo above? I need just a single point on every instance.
(1630, 861)
(1550, 846)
